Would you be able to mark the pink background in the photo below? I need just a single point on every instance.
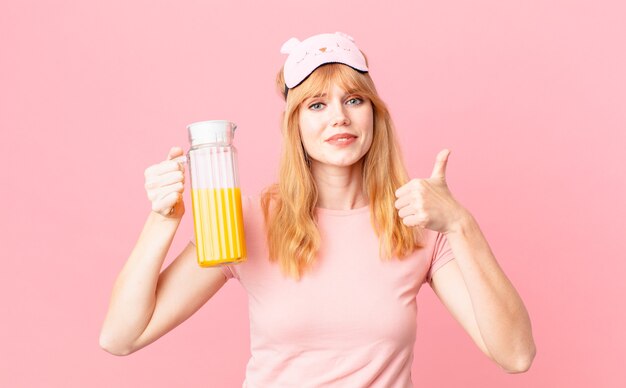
(530, 96)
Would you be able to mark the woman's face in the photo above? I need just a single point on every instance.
(336, 128)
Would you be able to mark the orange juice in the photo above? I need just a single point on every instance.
(218, 226)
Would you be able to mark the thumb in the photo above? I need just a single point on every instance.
(174, 152)
(439, 171)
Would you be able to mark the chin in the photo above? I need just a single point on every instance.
(345, 162)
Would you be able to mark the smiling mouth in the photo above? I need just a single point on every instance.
(340, 138)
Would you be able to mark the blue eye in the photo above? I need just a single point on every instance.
(355, 101)
(316, 106)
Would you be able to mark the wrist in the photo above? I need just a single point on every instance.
(462, 222)
(159, 218)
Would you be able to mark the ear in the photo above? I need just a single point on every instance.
(289, 45)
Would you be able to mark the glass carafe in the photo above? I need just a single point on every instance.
(215, 193)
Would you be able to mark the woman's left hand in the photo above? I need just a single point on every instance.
(428, 203)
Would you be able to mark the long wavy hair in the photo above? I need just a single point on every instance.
(289, 205)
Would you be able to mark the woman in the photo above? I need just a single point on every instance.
(337, 249)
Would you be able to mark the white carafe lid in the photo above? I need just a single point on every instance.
(218, 132)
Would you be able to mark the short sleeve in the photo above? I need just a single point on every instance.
(228, 271)
(442, 254)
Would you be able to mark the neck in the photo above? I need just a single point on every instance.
(339, 188)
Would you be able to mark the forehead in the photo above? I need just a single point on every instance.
(335, 81)
(334, 89)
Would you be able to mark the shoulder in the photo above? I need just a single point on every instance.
(252, 209)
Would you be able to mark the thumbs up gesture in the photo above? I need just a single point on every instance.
(428, 203)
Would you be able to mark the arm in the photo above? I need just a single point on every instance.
(146, 304)
(472, 287)
(482, 299)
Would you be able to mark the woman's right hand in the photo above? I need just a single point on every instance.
(164, 183)
(139, 314)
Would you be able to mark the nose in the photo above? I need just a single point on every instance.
(340, 116)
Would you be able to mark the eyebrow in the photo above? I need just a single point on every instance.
(348, 92)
